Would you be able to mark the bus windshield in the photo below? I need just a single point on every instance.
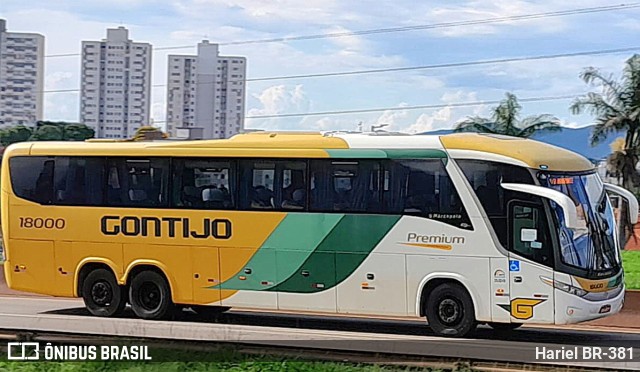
(593, 246)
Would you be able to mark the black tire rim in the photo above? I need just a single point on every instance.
(101, 293)
(450, 311)
(149, 296)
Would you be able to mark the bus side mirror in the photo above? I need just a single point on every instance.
(629, 197)
(565, 202)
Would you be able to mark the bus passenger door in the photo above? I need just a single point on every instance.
(530, 264)
(206, 275)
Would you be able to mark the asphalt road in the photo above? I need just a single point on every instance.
(343, 333)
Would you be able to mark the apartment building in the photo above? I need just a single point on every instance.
(21, 77)
(115, 92)
(205, 93)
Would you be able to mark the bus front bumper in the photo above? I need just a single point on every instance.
(573, 309)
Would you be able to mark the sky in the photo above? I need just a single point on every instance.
(184, 23)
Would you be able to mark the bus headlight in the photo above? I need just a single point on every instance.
(564, 287)
(569, 288)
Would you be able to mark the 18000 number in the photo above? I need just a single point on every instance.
(42, 223)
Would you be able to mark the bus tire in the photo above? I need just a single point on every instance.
(449, 311)
(102, 295)
(503, 327)
(150, 296)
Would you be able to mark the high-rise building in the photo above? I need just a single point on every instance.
(21, 77)
(205, 93)
(115, 92)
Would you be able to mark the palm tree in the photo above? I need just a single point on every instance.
(616, 109)
(504, 120)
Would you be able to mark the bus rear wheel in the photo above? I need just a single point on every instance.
(450, 311)
(150, 296)
(102, 295)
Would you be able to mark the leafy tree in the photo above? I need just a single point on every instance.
(18, 133)
(505, 120)
(48, 133)
(77, 132)
(70, 131)
(616, 109)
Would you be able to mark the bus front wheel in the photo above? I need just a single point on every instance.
(150, 296)
(450, 311)
(102, 295)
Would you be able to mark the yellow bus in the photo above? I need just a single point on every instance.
(461, 229)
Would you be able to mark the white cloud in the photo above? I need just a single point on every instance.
(440, 119)
(275, 100)
(447, 116)
(279, 99)
(476, 10)
(392, 118)
(292, 11)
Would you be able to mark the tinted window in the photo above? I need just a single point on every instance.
(423, 188)
(79, 181)
(274, 184)
(292, 190)
(485, 178)
(32, 178)
(257, 182)
(137, 182)
(350, 186)
(203, 184)
(529, 233)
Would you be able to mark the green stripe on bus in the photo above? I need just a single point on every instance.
(340, 254)
(284, 251)
(415, 154)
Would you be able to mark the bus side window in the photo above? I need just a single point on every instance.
(345, 185)
(32, 178)
(204, 183)
(293, 181)
(79, 181)
(138, 182)
(44, 183)
(423, 188)
(257, 184)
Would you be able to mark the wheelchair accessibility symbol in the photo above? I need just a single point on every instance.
(514, 265)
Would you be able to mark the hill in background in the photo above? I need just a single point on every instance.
(574, 139)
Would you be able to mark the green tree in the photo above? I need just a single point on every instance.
(77, 132)
(69, 131)
(18, 133)
(505, 120)
(616, 109)
(48, 133)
